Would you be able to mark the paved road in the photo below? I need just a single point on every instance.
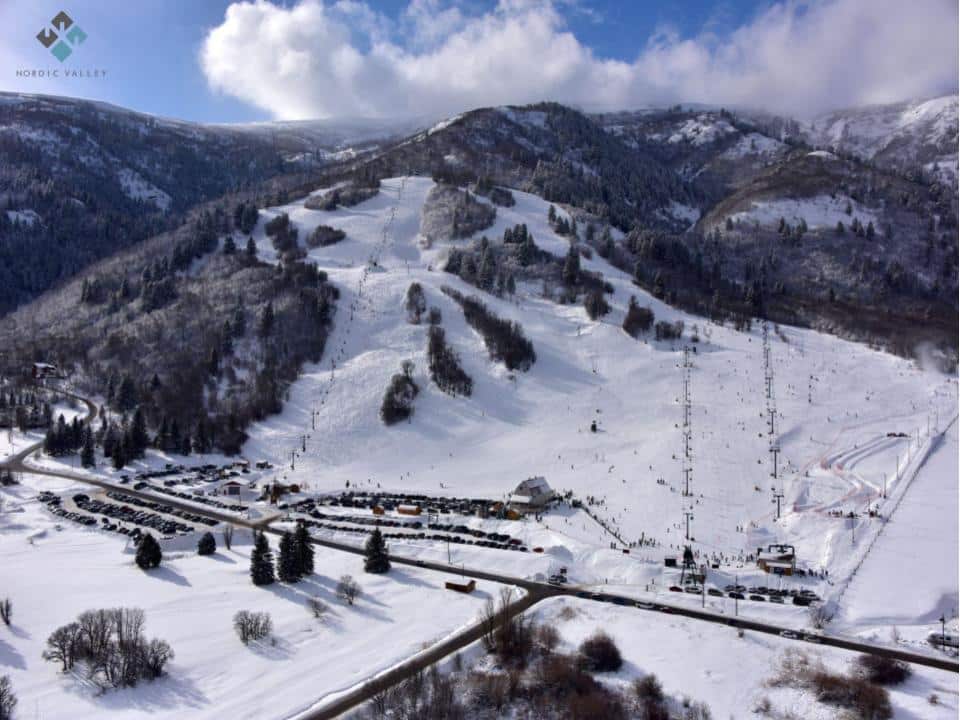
(536, 591)
(15, 463)
(419, 662)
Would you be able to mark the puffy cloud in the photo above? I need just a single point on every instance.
(344, 59)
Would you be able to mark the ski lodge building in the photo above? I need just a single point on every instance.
(777, 559)
(531, 496)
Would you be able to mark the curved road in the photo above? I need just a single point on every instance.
(535, 592)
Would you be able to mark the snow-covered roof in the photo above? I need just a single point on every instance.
(533, 487)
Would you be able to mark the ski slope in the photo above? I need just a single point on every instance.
(836, 403)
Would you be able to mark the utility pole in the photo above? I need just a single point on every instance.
(777, 497)
(688, 515)
(293, 455)
(304, 439)
(943, 630)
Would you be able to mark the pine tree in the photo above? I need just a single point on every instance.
(571, 267)
(287, 566)
(303, 549)
(119, 455)
(201, 444)
(251, 249)
(239, 324)
(261, 562)
(488, 270)
(207, 544)
(139, 438)
(87, 455)
(229, 246)
(376, 559)
(266, 321)
(149, 554)
(126, 394)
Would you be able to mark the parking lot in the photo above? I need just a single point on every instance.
(114, 511)
(410, 527)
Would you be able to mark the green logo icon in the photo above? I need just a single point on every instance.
(62, 36)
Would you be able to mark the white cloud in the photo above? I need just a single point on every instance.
(345, 59)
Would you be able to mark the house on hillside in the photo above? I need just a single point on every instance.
(531, 496)
(41, 370)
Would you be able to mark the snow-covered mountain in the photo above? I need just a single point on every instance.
(109, 177)
(906, 135)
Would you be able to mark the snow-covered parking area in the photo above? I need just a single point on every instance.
(53, 575)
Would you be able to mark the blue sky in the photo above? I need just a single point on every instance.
(316, 58)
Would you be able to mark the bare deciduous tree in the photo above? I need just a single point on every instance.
(348, 590)
(252, 625)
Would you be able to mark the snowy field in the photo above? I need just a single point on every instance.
(190, 602)
(729, 672)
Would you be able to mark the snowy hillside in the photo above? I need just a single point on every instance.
(863, 466)
(899, 134)
(837, 401)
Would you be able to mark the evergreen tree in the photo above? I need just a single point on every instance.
(261, 562)
(109, 440)
(207, 544)
(376, 559)
(119, 455)
(126, 395)
(468, 270)
(571, 267)
(149, 554)
(266, 321)
(139, 439)
(287, 565)
(239, 324)
(173, 437)
(416, 303)
(87, 455)
(201, 443)
(596, 304)
(488, 270)
(528, 251)
(229, 245)
(303, 550)
(251, 249)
